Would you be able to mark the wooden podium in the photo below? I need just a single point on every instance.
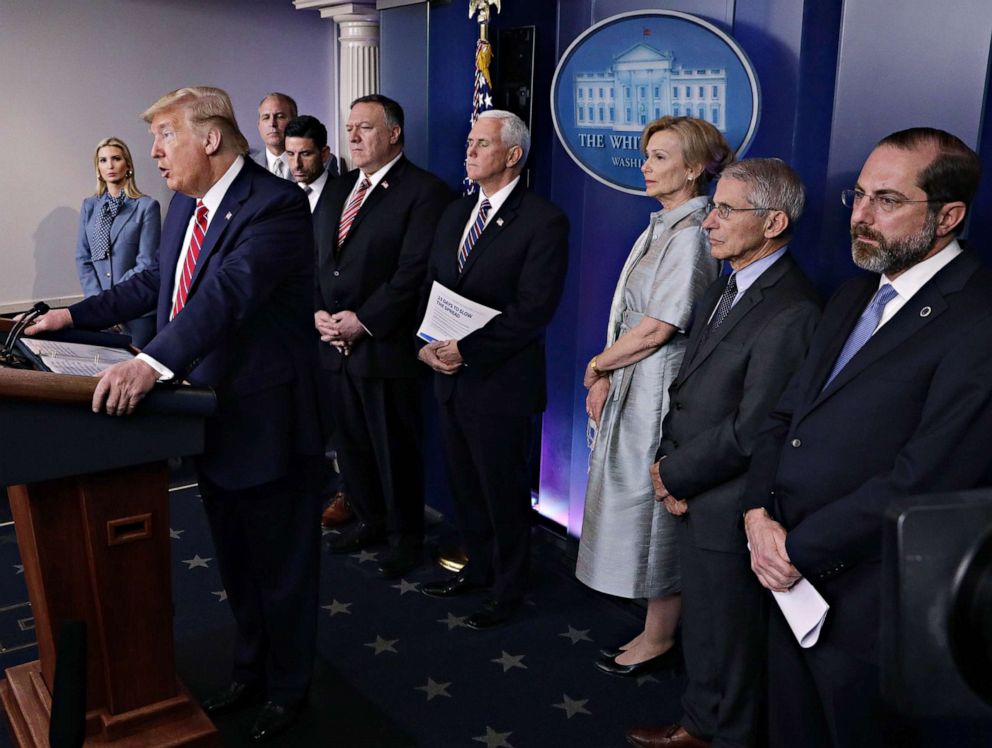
(89, 496)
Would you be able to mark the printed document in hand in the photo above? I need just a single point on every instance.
(79, 359)
(450, 316)
(805, 610)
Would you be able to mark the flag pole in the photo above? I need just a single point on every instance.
(482, 87)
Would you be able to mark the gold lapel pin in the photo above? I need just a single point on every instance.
(925, 311)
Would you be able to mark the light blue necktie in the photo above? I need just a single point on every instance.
(862, 331)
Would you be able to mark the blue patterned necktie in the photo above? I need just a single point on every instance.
(100, 250)
(473, 234)
(724, 306)
(864, 329)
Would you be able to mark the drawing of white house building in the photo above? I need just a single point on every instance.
(644, 84)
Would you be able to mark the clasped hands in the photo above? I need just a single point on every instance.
(769, 558)
(676, 507)
(442, 356)
(340, 329)
(121, 387)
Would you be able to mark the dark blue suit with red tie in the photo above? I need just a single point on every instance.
(247, 331)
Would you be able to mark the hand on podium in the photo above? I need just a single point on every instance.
(123, 386)
(56, 319)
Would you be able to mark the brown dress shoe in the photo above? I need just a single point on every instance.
(337, 512)
(670, 735)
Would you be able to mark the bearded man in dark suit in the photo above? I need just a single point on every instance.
(893, 400)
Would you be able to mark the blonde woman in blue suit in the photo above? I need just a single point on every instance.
(119, 230)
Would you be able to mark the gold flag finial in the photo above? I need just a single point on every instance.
(482, 7)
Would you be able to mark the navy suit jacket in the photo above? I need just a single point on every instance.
(378, 271)
(910, 414)
(725, 388)
(246, 329)
(518, 266)
(134, 238)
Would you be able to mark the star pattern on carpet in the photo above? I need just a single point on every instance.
(192, 563)
(381, 645)
(509, 661)
(221, 595)
(175, 534)
(494, 739)
(405, 586)
(364, 556)
(572, 707)
(433, 688)
(453, 621)
(576, 635)
(337, 607)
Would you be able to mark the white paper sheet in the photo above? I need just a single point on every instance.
(451, 316)
(76, 358)
(805, 610)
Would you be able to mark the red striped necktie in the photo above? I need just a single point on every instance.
(348, 217)
(199, 230)
(473, 234)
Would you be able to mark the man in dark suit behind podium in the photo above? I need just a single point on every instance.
(232, 288)
(893, 400)
(373, 240)
(505, 248)
(749, 336)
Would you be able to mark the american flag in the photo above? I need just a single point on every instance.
(482, 98)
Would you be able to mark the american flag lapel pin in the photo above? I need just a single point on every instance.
(499, 221)
(228, 216)
(385, 185)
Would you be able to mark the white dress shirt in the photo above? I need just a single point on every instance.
(913, 279)
(316, 187)
(211, 200)
(495, 203)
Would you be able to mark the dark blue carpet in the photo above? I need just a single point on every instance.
(396, 668)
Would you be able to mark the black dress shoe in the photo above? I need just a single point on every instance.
(450, 587)
(400, 561)
(236, 695)
(272, 719)
(611, 652)
(492, 613)
(670, 659)
(357, 537)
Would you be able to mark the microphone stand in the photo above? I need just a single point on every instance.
(7, 352)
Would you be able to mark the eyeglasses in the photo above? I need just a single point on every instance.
(885, 203)
(723, 210)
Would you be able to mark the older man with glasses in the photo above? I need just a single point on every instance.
(749, 336)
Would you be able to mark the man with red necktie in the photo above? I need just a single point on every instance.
(373, 239)
(231, 288)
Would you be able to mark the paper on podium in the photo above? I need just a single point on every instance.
(451, 316)
(805, 610)
(78, 359)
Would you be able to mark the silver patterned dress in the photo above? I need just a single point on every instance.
(628, 544)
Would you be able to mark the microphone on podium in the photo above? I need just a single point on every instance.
(7, 352)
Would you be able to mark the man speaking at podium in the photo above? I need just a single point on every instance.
(233, 288)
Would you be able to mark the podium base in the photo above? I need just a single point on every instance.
(174, 722)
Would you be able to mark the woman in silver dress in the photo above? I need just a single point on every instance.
(628, 545)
